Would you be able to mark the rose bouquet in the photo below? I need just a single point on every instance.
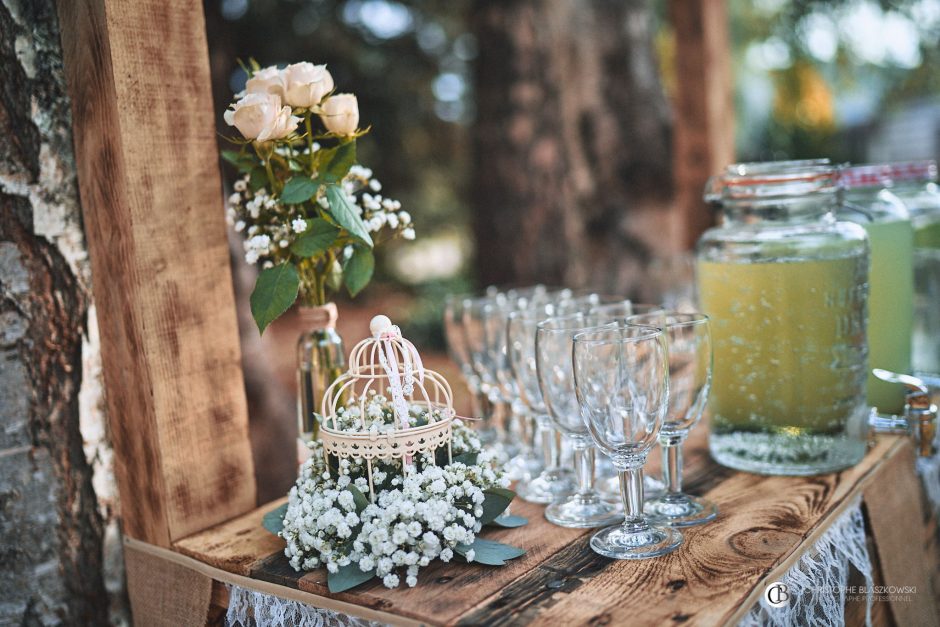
(433, 511)
(310, 214)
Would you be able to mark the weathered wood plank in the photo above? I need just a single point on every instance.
(145, 144)
(703, 107)
(236, 546)
(897, 522)
(763, 524)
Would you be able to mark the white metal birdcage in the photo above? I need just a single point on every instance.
(391, 366)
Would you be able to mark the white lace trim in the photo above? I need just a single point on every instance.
(816, 584)
(929, 470)
(250, 608)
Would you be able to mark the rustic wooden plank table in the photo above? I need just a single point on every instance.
(765, 525)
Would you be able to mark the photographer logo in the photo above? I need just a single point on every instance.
(776, 594)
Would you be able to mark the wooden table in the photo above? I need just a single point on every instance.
(765, 525)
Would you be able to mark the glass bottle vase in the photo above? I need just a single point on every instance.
(321, 358)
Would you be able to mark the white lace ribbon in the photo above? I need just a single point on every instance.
(250, 608)
(817, 583)
(412, 366)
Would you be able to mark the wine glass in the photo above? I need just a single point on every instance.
(474, 327)
(689, 349)
(518, 428)
(618, 311)
(623, 310)
(553, 341)
(459, 351)
(554, 482)
(622, 382)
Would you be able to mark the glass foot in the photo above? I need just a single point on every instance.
(680, 510)
(583, 511)
(551, 485)
(635, 542)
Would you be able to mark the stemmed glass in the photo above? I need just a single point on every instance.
(517, 436)
(689, 348)
(622, 382)
(554, 482)
(474, 328)
(459, 351)
(618, 311)
(553, 341)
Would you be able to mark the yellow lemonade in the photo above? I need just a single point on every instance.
(789, 346)
(890, 309)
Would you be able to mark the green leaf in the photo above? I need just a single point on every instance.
(258, 179)
(273, 521)
(358, 269)
(358, 497)
(345, 215)
(489, 552)
(495, 502)
(510, 522)
(299, 189)
(334, 163)
(467, 458)
(275, 291)
(316, 240)
(347, 577)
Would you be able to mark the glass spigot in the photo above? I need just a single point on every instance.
(920, 414)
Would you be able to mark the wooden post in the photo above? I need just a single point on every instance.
(703, 131)
(147, 160)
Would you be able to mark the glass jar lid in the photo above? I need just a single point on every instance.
(772, 180)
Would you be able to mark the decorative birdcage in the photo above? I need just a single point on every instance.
(390, 365)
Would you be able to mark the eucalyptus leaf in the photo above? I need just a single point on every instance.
(489, 552)
(273, 521)
(275, 291)
(358, 497)
(495, 502)
(316, 240)
(347, 577)
(469, 458)
(358, 269)
(510, 522)
(335, 162)
(299, 189)
(345, 215)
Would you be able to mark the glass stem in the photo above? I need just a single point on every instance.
(549, 445)
(559, 450)
(672, 463)
(631, 491)
(584, 466)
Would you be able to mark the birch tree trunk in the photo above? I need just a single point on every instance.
(59, 543)
(572, 178)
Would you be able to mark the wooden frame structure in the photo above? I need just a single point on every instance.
(151, 195)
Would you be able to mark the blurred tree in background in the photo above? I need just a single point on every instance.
(451, 85)
(572, 143)
(817, 78)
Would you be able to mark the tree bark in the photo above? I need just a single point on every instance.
(572, 177)
(59, 544)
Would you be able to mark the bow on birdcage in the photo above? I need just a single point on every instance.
(411, 365)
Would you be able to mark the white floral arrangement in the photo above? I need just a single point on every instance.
(310, 214)
(429, 510)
